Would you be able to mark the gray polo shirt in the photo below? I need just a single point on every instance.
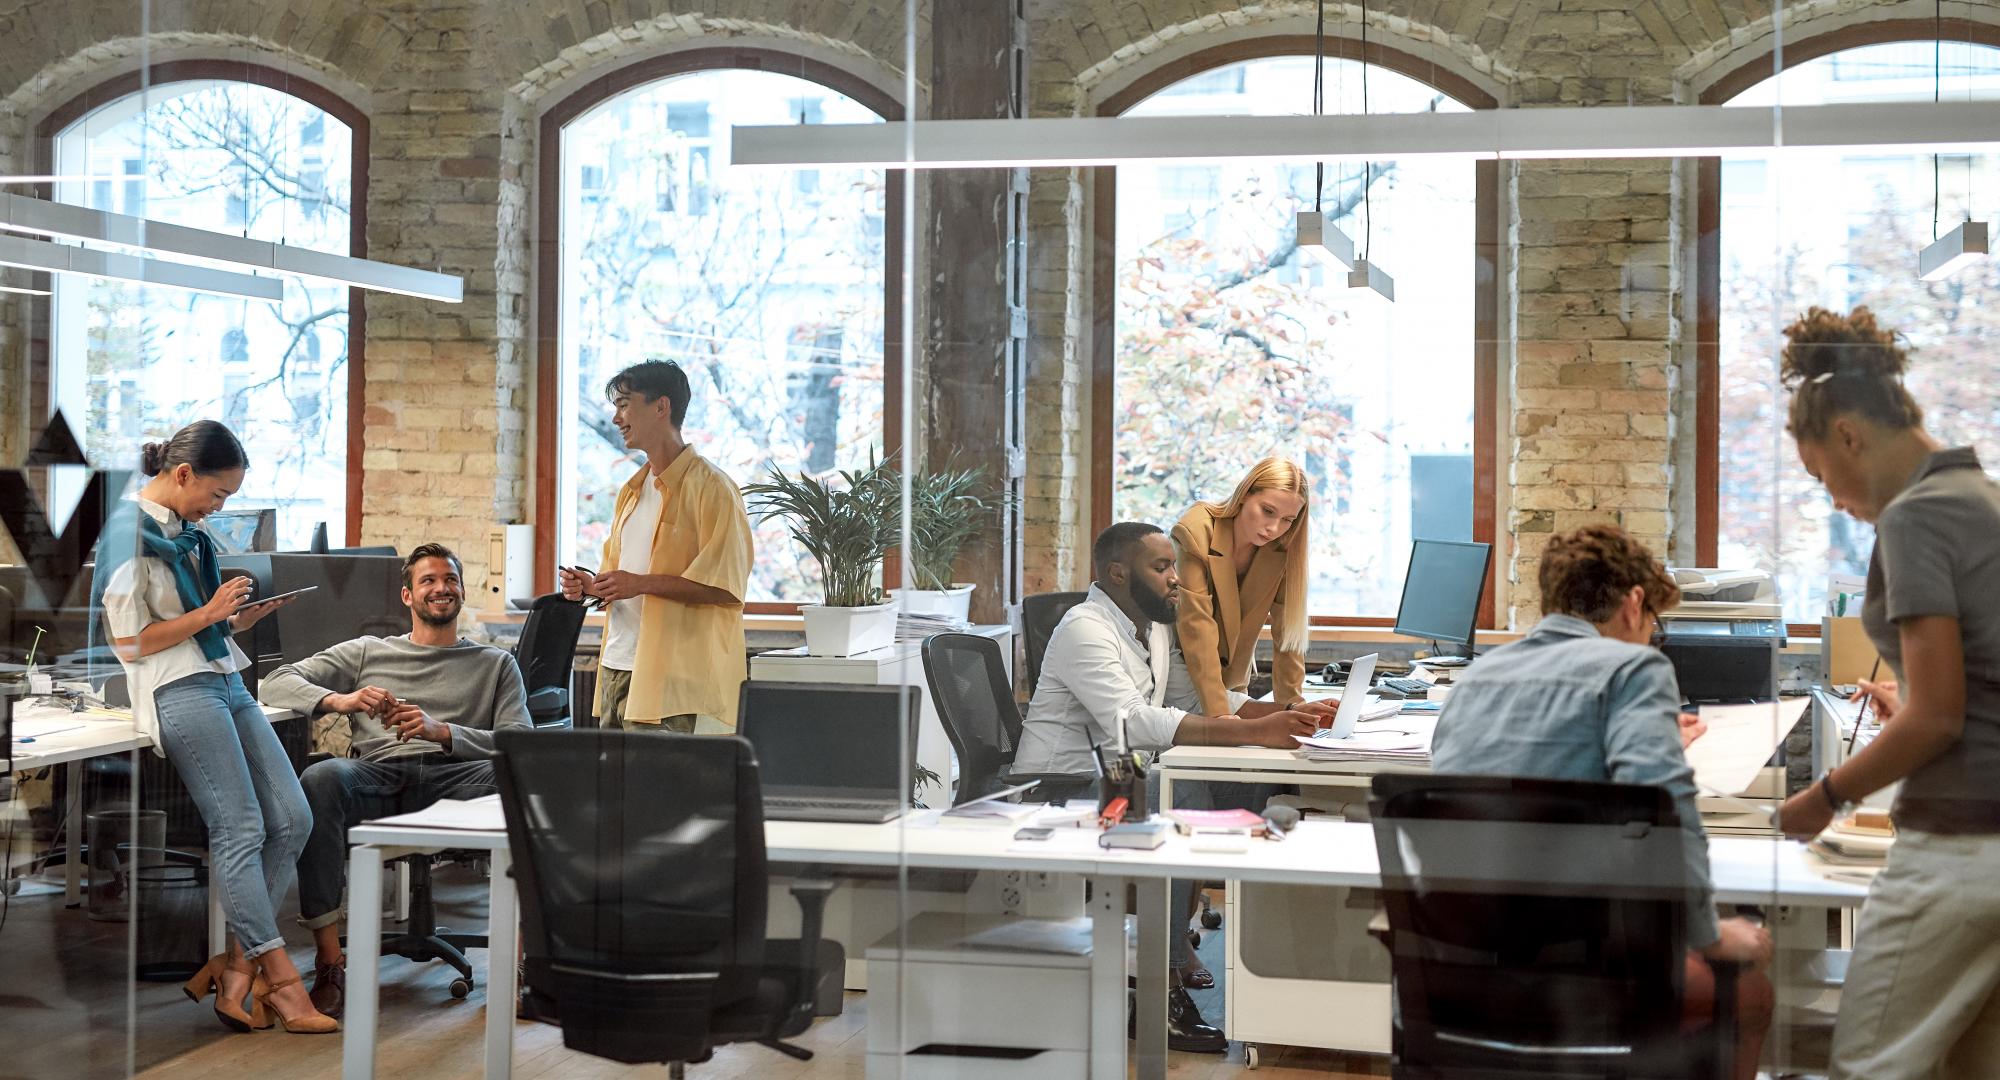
(1937, 552)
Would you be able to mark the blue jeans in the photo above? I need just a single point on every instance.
(226, 753)
(348, 791)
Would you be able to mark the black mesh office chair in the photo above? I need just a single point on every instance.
(545, 653)
(1536, 929)
(639, 859)
(1039, 615)
(975, 700)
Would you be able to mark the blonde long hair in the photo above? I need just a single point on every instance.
(1281, 474)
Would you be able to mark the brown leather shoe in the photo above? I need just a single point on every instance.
(329, 992)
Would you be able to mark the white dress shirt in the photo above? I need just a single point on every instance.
(1101, 685)
(141, 592)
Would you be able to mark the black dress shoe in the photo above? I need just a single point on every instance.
(1186, 1031)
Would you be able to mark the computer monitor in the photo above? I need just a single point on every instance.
(833, 739)
(1441, 592)
(354, 596)
(241, 532)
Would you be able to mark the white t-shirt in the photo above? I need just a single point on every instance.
(635, 556)
(141, 592)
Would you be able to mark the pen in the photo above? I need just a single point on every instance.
(1866, 700)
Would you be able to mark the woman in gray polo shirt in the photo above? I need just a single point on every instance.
(1922, 997)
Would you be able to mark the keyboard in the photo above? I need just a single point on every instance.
(821, 808)
(1406, 686)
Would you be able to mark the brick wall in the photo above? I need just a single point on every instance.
(453, 89)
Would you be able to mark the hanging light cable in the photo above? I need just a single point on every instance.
(1365, 274)
(1970, 240)
(1317, 235)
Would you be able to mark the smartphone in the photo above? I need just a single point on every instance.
(1034, 832)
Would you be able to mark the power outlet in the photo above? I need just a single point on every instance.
(1040, 881)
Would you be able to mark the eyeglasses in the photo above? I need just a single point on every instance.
(1658, 638)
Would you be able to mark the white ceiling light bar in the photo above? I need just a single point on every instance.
(1367, 275)
(1660, 131)
(24, 213)
(1953, 251)
(1318, 236)
(70, 259)
(23, 292)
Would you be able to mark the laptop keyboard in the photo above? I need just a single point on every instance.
(798, 802)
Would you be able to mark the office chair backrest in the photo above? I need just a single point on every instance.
(1039, 615)
(639, 859)
(547, 646)
(975, 700)
(1541, 915)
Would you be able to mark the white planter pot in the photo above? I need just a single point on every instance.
(846, 631)
(955, 602)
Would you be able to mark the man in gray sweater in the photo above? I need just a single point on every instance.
(423, 707)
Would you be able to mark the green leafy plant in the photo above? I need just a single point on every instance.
(847, 526)
(949, 509)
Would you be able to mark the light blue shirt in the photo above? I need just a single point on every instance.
(1567, 703)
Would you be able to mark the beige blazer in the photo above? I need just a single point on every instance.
(1221, 617)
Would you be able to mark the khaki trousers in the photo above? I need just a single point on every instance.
(1922, 998)
(616, 687)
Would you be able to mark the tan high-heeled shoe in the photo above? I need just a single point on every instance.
(312, 1023)
(232, 1014)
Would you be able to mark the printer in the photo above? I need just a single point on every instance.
(1725, 635)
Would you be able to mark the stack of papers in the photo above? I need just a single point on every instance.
(1847, 844)
(989, 812)
(916, 626)
(1389, 744)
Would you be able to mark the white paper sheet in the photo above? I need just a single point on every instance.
(1739, 740)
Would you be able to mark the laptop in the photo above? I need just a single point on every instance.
(832, 751)
(1354, 698)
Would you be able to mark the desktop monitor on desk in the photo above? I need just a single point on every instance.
(354, 596)
(1442, 590)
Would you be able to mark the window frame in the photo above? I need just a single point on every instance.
(59, 119)
(548, 259)
(1743, 76)
(1485, 288)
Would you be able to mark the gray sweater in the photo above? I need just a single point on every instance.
(472, 687)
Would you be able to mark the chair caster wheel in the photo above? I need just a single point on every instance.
(1211, 919)
(461, 987)
(1251, 1058)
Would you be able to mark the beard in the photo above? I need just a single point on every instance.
(431, 617)
(1153, 605)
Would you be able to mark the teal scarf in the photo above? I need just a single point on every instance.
(195, 580)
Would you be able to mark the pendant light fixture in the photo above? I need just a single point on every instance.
(1317, 235)
(1968, 242)
(1365, 274)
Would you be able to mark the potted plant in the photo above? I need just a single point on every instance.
(847, 527)
(949, 509)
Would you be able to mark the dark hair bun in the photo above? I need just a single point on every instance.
(1823, 343)
(152, 458)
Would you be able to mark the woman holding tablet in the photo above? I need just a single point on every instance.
(170, 617)
(1243, 563)
(1922, 997)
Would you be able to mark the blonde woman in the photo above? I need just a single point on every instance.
(1242, 564)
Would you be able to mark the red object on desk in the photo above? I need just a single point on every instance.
(1114, 812)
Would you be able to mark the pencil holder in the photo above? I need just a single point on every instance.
(1125, 782)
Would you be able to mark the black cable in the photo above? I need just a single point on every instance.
(1937, 95)
(1368, 167)
(1319, 97)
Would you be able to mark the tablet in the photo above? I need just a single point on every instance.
(275, 599)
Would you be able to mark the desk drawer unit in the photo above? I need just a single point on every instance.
(1045, 1065)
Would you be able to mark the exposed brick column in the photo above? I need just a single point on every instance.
(447, 413)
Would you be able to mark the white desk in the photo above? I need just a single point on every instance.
(100, 736)
(1317, 853)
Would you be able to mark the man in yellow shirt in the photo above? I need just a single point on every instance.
(674, 572)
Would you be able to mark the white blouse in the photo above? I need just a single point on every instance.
(141, 592)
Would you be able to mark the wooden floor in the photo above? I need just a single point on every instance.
(441, 1042)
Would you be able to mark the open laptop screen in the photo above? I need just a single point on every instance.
(832, 739)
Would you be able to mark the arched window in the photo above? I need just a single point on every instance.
(1840, 229)
(232, 148)
(1229, 342)
(768, 288)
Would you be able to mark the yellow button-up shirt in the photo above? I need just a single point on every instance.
(690, 656)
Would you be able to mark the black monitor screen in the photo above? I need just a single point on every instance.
(832, 737)
(1442, 590)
